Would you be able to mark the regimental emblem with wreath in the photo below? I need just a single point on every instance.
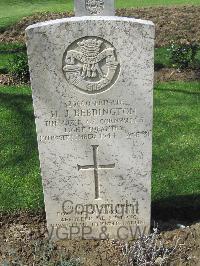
(91, 65)
(94, 7)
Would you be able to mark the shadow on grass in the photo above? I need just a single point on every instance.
(23, 127)
(158, 66)
(180, 208)
(19, 166)
(176, 153)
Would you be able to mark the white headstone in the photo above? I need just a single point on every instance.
(94, 8)
(92, 81)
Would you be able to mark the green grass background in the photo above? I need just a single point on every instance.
(13, 10)
(20, 182)
(176, 141)
(6, 55)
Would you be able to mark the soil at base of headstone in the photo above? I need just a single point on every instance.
(23, 238)
(172, 23)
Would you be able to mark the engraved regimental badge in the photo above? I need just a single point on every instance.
(94, 7)
(91, 65)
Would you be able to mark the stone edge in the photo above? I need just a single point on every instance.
(89, 18)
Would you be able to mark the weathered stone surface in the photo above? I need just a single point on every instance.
(92, 81)
(94, 7)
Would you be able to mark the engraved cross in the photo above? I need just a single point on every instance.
(96, 167)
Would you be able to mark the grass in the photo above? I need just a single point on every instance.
(4, 61)
(176, 140)
(175, 146)
(149, 3)
(13, 10)
(9, 60)
(7, 56)
(11, 46)
(20, 181)
(162, 58)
